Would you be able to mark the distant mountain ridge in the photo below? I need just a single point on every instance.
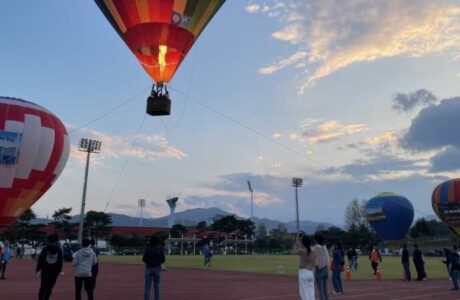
(191, 217)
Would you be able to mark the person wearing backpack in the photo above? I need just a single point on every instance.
(83, 262)
(49, 266)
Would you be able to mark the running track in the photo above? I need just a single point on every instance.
(125, 282)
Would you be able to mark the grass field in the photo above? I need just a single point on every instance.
(391, 266)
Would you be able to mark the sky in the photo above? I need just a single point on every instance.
(356, 97)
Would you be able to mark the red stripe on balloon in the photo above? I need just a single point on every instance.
(128, 12)
(161, 10)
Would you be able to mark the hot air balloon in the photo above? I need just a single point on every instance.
(446, 203)
(34, 147)
(391, 216)
(160, 33)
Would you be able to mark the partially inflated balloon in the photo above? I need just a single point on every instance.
(446, 203)
(160, 33)
(34, 148)
(390, 215)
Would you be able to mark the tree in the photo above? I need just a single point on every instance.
(226, 224)
(355, 213)
(61, 222)
(202, 226)
(97, 223)
(178, 230)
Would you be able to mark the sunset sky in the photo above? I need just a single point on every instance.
(356, 97)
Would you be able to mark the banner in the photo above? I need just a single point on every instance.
(450, 213)
(375, 213)
(10, 146)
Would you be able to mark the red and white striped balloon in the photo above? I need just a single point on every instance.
(34, 148)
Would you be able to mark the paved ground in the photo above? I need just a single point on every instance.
(125, 282)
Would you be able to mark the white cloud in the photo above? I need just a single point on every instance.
(277, 135)
(318, 131)
(143, 147)
(337, 34)
(253, 8)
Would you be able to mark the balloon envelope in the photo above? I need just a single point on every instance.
(446, 203)
(34, 148)
(390, 215)
(159, 32)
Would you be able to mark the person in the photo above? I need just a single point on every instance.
(350, 258)
(207, 255)
(375, 259)
(4, 258)
(49, 266)
(355, 260)
(18, 253)
(419, 263)
(321, 264)
(95, 268)
(83, 262)
(307, 261)
(452, 264)
(337, 265)
(405, 263)
(154, 256)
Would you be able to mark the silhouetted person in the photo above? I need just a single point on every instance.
(419, 263)
(321, 265)
(405, 262)
(338, 261)
(49, 266)
(153, 257)
(375, 259)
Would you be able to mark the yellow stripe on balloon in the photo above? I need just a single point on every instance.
(205, 18)
(143, 10)
(179, 6)
(115, 15)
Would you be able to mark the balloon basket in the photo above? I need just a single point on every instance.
(159, 105)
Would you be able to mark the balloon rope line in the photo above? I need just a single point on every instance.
(130, 99)
(125, 163)
(323, 167)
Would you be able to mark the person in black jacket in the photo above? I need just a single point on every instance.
(153, 257)
(419, 263)
(405, 262)
(49, 266)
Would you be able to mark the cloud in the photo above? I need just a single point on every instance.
(294, 59)
(446, 160)
(277, 135)
(253, 8)
(336, 34)
(319, 132)
(407, 102)
(143, 147)
(435, 127)
(378, 168)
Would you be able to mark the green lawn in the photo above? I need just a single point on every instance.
(391, 266)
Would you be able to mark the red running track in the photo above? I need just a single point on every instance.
(125, 282)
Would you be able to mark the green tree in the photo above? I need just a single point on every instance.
(98, 224)
(61, 222)
(202, 226)
(178, 230)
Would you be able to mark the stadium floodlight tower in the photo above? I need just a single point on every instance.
(250, 189)
(89, 146)
(172, 207)
(141, 204)
(297, 182)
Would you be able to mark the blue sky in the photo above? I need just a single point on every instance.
(319, 77)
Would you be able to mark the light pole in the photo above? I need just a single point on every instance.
(89, 146)
(297, 182)
(172, 208)
(250, 189)
(141, 204)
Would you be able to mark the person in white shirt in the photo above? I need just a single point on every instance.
(321, 266)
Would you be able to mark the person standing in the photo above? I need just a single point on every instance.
(350, 258)
(95, 268)
(207, 255)
(405, 263)
(375, 259)
(83, 262)
(4, 258)
(49, 266)
(321, 264)
(307, 261)
(338, 261)
(419, 263)
(154, 256)
(451, 262)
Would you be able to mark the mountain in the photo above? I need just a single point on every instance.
(191, 217)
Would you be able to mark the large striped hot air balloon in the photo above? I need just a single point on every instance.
(391, 216)
(160, 33)
(34, 147)
(446, 203)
